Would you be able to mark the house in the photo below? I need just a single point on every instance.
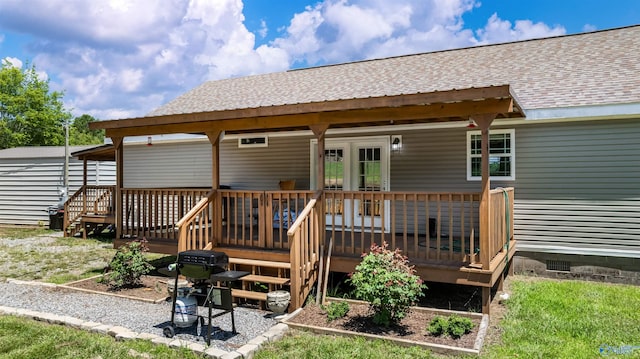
(450, 156)
(32, 179)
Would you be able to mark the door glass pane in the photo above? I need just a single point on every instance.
(369, 178)
(369, 167)
(333, 169)
(334, 178)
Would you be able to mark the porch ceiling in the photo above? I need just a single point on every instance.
(99, 153)
(439, 106)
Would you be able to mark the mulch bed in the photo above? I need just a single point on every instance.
(412, 327)
(153, 288)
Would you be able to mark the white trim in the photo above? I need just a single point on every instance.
(512, 133)
(585, 112)
(541, 248)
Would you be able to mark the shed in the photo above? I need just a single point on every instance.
(32, 178)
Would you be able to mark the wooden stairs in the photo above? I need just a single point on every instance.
(89, 223)
(269, 271)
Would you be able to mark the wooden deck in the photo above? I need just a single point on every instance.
(292, 226)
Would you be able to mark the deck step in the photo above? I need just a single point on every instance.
(259, 263)
(247, 294)
(265, 279)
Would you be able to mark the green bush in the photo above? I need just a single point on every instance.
(336, 310)
(438, 326)
(128, 265)
(385, 279)
(455, 326)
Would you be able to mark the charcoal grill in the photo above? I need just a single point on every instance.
(204, 268)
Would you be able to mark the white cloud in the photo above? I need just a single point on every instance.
(264, 30)
(498, 30)
(110, 55)
(589, 28)
(13, 62)
(122, 58)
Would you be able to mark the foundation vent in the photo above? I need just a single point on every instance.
(562, 266)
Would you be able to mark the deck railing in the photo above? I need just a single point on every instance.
(425, 226)
(259, 219)
(153, 213)
(89, 199)
(195, 228)
(501, 217)
(304, 250)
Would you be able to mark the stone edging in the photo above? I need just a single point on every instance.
(121, 334)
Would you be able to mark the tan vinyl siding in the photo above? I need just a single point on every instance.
(261, 168)
(173, 164)
(578, 188)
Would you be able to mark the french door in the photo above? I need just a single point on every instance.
(355, 164)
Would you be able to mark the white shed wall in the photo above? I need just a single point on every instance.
(29, 185)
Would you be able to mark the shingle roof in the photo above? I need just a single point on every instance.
(586, 69)
(39, 151)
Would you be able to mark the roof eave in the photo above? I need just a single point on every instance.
(432, 106)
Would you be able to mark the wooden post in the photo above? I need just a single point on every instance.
(484, 122)
(486, 300)
(214, 138)
(319, 131)
(119, 147)
(84, 186)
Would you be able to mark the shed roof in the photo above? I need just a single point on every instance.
(585, 69)
(39, 151)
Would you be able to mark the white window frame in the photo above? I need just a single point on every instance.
(512, 155)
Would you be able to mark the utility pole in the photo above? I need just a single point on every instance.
(66, 160)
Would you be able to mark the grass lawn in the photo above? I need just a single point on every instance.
(27, 339)
(544, 319)
(569, 319)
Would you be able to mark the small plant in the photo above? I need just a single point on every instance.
(438, 326)
(128, 265)
(455, 326)
(336, 310)
(385, 279)
(459, 326)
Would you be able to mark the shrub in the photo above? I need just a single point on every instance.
(455, 326)
(336, 310)
(459, 326)
(385, 279)
(438, 326)
(128, 265)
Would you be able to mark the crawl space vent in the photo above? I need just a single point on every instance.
(562, 266)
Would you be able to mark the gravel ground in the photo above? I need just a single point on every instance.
(137, 316)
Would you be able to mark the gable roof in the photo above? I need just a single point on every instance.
(576, 70)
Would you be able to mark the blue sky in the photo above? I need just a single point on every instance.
(123, 58)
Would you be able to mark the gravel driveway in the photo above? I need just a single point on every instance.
(141, 317)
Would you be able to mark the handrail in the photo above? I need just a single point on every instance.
(197, 208)
(304, 250)
(67, 205)
(195, 225)
(305, 212)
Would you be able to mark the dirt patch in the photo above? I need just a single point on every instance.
(152, 289)
(412, 327)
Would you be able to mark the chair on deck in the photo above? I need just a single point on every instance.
(288, 215)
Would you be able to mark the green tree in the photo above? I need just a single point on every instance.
(30, 114)
(80, 134)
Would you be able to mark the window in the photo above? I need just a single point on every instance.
(501, 155)
(261, 141)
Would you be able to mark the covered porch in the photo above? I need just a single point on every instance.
(454, 237)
